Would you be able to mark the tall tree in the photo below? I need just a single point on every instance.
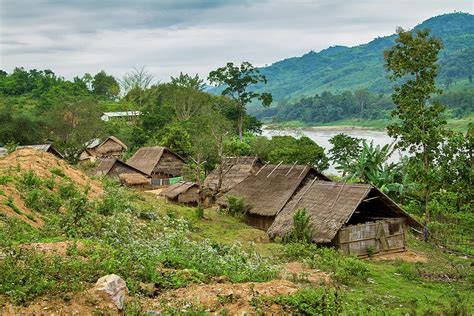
(419, 127)
(237, 81)
(136, 82)
(105, 86)
(72, 124)
(187, 81)
(344, 149)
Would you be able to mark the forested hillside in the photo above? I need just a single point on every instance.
(341, 68)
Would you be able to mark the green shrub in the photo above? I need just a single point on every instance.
(14, 230)
(199, 212)
(26, 275)
(67, 190)
(28, 180)
(5, 179)
(302, 230)
(50, 182)
(115, 199)
(408, 270)
(9, 202)
(370, 250)
(237, 206)
(58, 171)
(345, 268)
(299, 251)
(314, 301)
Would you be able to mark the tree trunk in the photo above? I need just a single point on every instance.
(426, 193)
(241, 123)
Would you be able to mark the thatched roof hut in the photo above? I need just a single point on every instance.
(114, 167)
(182, 192)
(158, 162)
(269, 190)
(234, 171)
(332, 206)
(110, 147)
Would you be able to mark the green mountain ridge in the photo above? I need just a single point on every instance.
(340, 68)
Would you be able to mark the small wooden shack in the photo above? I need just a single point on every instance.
(357, 218)
(182, 192)
(159, 163)
(233, 171)
(268, 190)
(110, 147)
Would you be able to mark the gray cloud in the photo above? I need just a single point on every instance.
(168, 36)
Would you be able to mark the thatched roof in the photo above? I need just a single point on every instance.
(176, 189)
(105, 165)
(270, 188)
(234, 171)
(146, 158)
(130, 179)
(114, 139)
(331, 205)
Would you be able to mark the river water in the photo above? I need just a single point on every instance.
(322, 135)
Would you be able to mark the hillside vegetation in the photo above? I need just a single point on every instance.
(351, 82)
(341, 68)
(174, 262)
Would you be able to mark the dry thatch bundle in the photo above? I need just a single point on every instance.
(132, 179)
(332, 205)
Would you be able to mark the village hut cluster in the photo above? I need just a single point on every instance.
(357, 218)
(147, 169)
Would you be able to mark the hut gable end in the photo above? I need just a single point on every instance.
(169, 164)
(155, 160)
(113, 167)
(111, 146)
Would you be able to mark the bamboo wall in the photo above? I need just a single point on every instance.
(383, 236)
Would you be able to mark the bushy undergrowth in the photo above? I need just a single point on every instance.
(237, 206)
(312, 301)
(344, 269)
(124, 242)
(302, 230)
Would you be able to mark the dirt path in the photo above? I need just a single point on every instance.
(408, 256)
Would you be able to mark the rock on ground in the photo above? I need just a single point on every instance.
(113, 288)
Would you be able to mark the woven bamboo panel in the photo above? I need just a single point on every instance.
(381, 236)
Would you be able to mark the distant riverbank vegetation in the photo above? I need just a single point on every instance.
(360, 108)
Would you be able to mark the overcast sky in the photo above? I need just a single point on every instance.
(72, 37)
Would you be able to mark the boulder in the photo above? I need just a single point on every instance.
(113, 288)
